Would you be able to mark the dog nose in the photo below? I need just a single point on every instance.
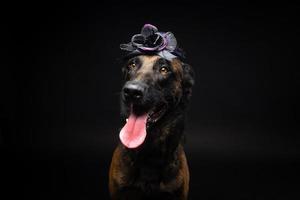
(133, 91)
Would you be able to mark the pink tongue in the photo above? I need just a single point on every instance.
(134, 133)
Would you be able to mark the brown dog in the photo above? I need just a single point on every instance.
(150, 162)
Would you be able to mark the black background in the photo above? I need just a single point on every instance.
(60, 82)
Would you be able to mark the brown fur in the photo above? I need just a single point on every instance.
(120, 171)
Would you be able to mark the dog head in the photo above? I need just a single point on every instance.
(157, 83)
(153, 88)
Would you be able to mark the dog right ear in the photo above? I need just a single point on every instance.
(187, 81)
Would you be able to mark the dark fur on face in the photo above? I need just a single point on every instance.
(167, 84)
(158, 168)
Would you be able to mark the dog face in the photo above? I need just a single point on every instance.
(155, 86)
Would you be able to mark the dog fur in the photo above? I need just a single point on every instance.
(157, 169)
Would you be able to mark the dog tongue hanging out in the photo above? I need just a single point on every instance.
(150, 42)
(149, 162)
(134, 132)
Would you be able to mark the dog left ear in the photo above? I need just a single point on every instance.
(188, 81)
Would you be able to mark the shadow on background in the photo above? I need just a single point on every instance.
(60, 97)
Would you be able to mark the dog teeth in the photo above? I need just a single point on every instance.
(127, 120)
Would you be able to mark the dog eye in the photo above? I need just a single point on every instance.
(163, 70)
(131, 66)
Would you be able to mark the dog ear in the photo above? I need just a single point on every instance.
(187, 82)
(125, 73)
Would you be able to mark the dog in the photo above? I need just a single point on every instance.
(150, 162)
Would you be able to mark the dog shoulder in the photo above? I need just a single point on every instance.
(181, 181)
(117, 175)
